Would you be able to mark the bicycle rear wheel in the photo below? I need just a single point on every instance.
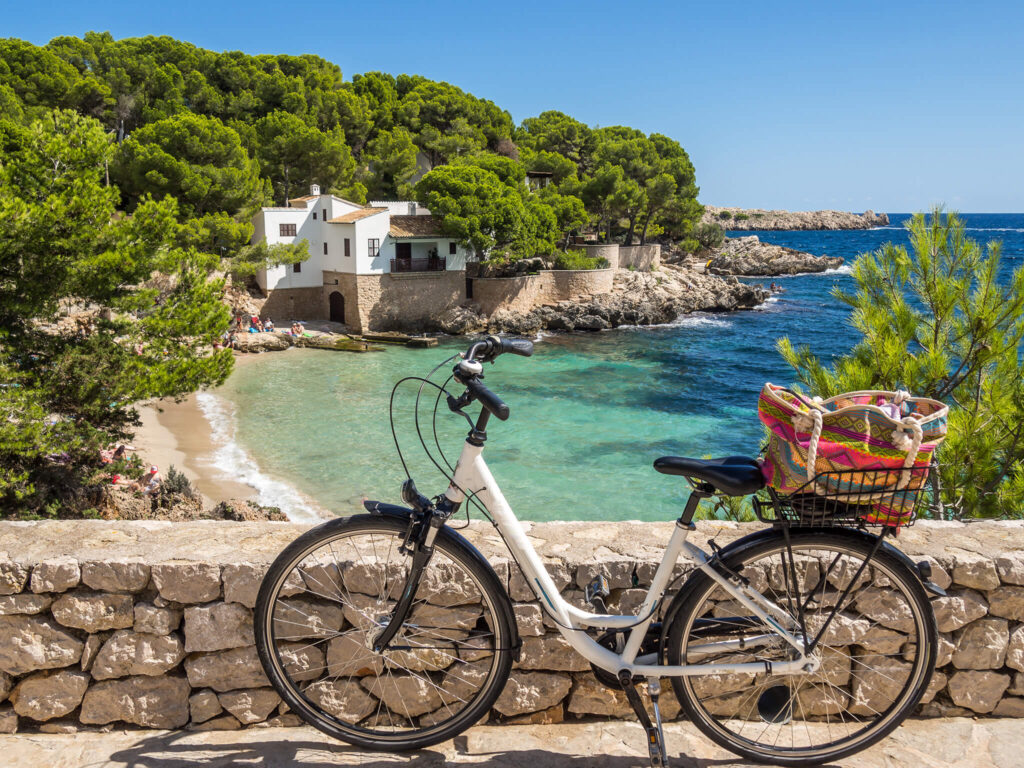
(327, 596)
(877, 652)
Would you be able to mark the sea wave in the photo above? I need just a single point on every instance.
(845, 269)
(236, 463)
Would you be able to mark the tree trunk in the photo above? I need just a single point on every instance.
(287, 186)
(643, 234)
(629, 232)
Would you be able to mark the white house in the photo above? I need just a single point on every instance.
(372, 267)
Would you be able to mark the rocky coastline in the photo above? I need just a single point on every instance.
(757, 218)
(637, 298)
(748, 256)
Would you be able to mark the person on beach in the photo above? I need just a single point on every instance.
(149, 483)
(268, 326)
(110, 456)
(232, 342)
(297, 329)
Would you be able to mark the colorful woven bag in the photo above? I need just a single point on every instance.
(879, 459)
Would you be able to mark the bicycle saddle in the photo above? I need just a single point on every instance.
(732, 475)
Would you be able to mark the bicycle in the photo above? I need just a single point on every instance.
(802, 643)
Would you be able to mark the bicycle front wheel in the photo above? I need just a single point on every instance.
(876, 644)
(327, 597)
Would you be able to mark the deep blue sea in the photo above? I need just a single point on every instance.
(590, 412)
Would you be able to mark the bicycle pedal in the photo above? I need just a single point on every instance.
(596, 593)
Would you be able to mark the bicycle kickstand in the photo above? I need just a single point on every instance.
(655, 734)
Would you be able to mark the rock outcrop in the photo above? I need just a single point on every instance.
(637, 298)
(749, 256)
(757, 218)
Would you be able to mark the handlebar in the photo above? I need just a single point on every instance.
(468, 372)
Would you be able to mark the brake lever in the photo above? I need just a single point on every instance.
(456, 404)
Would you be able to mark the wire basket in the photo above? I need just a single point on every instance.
(852, 498)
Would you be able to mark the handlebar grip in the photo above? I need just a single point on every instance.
(488, 399)
(522, 347)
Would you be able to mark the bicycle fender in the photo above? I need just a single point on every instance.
(459, 541)
(767, 533)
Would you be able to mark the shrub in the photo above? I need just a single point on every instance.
(577, 260)
(725, 214)
(741, 217)
(689, 245)
(709, 235)
(177, 484)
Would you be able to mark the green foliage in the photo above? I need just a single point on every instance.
(195, 159)
(725, 215)
(741, 217)
(391, 163)
(177, 484)
(86, 331)
(708, 235)
(939, 322)
(252, 258)
(294, 155)
(578, 260)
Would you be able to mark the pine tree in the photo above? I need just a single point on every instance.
(944, 320)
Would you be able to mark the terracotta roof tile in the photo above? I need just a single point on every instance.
(414, 226)
(362, 213)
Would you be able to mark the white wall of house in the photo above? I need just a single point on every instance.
(401, 207)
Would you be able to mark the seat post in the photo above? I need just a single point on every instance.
(700, 491)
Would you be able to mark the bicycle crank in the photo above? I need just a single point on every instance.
(655, 733)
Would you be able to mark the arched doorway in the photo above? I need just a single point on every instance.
(337, 302)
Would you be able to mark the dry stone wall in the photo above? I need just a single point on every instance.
(150, 624)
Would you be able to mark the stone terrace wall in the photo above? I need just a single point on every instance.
(639, 257)
(150, 623)
(549, 286)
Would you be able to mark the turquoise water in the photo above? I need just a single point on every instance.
(590, 412)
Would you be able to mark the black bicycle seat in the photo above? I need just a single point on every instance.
(732, 475)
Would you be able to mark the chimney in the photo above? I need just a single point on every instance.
(314, 190)
(412, 209)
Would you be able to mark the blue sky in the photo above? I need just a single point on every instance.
(892, 106)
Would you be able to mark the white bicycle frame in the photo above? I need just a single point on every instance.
(472, 475)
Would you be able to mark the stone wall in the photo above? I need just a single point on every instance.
(405, 301)
(287, 304)
(150, 623)
(549, 286)
(609, 251)
(640, 257)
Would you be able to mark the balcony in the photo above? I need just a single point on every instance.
(418, 265)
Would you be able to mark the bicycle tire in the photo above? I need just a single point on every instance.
(699, 593)
(448, 545)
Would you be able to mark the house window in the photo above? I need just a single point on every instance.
(451, 249)
(297, 267)
(325, 214)
(348, 248)
(287, 230)
(325, 249)
(374, 245)
(314, 215)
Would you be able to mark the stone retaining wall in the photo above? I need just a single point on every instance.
(549, 286)
(639, 257)
(150, 623)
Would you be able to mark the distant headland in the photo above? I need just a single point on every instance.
(757, 218)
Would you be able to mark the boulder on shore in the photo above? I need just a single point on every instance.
(749, 256)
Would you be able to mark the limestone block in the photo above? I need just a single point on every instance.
(13, 577)
(975, 571)
(978, 691)
(348, 656)
(1017, 686)
(226, 670)
(938, 683)
(405, 695)
(1015, 649)
(532, 692)
(30, 643)
(93, 612)
(8, 719)
(187, 582)
(877, 681)
(462, 681)
(551, 716)
(125, 575)
(58, 575)
(250, 706)
(591, 697)
(881, 640)
(630, 601)
(224, 723)
(550, 652)
(217, 627)
(153, 702)
(982, 644)
(137, 653)
(46, 695)
(282, 721)
(530, 619)
(940, 575)
(1010, 566)
(344, 701)
(242, 583)
(1009, 707)
(844, 629)
(25, 602)
(203, 705)
(92, 646)
(1007, 602)
(618, 572)
(154, 620)
(944, 650)
(958, 608)
(520, 591)
(303, 661)
(6, 685)
(886, 606)
(296, 618)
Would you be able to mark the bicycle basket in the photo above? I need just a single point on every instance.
(888, 498)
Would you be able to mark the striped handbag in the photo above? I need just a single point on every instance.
(873, 449)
